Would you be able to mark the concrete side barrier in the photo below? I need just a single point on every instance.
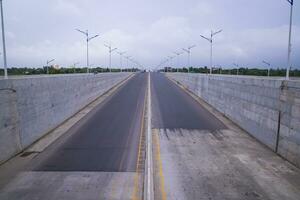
(31, 107)
(289, 128)
(268, 109)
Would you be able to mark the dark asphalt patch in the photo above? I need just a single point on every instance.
(173, 108)
(108, 140)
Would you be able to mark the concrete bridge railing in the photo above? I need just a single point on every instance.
(31, 107)
(268, 109)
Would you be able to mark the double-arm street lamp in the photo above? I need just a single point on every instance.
(171, 60)
(128, 58)
(74, 65)
(110, 50)
(48, 62)
(188, 51)
(177, 54)
(237, 68)
(210, 40)
(165, 64)
(121, 58)
(88, 39)
(269, 65)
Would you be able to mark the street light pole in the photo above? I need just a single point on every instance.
(210, 40)
(88, 39)
(237, 68)
(290, 38)
(3, 41)
(132, 61)
(110, 50)
(132, 64)
(188, 51)
(171, 61)
(269, 65)
(177, 54)
(128, 57)
(48, 62)
(166, 65)
(121, 58)
(74, 65)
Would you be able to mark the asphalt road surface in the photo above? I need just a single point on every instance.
(106, 139)
(173, 108)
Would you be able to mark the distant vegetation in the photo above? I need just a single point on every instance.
(242, 71)
(52, 70)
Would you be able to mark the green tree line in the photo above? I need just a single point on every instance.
(241, 71)
(52, 70)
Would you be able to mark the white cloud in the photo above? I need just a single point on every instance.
(66, 7)
(148, 36)
(202, 8)
(10, 35)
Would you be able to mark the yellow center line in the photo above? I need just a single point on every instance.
(135, 194)
(159, 162)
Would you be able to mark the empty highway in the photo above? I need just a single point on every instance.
(149, 100)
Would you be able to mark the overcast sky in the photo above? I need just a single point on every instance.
(253, 30)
